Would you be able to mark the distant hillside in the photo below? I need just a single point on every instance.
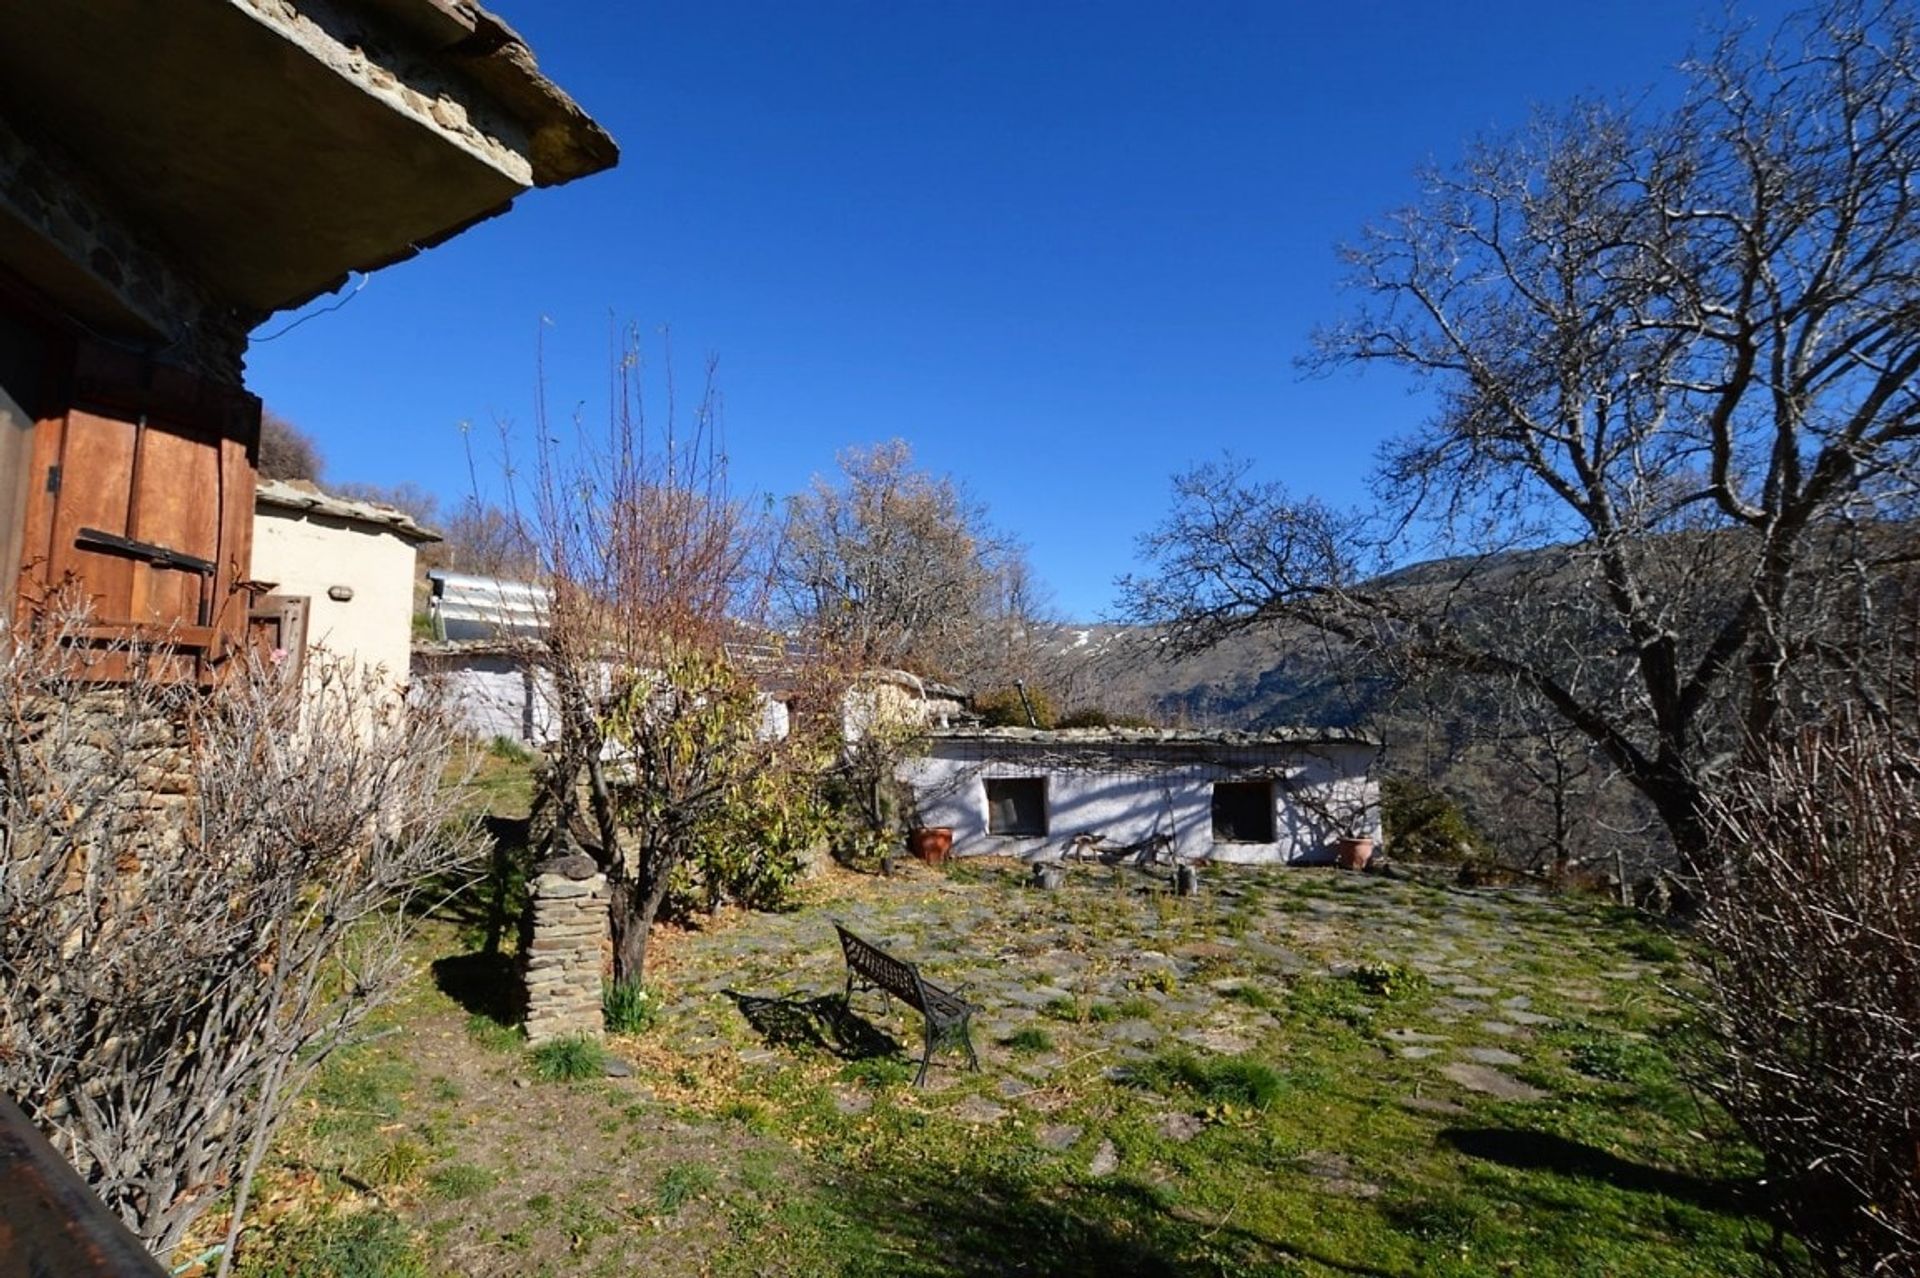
(1280, 678)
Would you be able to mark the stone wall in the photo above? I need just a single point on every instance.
(564, 949)
(45, 190)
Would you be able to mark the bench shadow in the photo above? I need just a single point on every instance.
(1543, 1151)
(824, 1021)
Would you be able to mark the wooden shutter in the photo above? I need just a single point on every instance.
(144, 503)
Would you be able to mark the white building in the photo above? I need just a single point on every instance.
(342, 574)
(1223, 796)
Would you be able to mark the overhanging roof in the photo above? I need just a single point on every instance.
(273, 146)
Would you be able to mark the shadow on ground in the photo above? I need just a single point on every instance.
(483, 984)
(825, 1022)
(956, 1220)
(1543, 1151)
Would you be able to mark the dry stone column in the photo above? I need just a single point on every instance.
(563, 956)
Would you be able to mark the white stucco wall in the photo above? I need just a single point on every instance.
(1132, 792)
(308, 554)
(495, 695)
(501, 694)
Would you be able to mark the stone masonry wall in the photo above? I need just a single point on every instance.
(41, 188)
(564, 947)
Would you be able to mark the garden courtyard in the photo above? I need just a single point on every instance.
(1297, 1071)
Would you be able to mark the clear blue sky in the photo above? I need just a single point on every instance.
(1064, 249)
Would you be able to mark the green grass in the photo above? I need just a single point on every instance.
(1295, 1152)
(1654, 947)
(1030, 1039)
(363, 1244)
(460, 1180)
(494, 1036)
(1234, 1080)
(681, 1183)
(629, 1009)
(570, 1059)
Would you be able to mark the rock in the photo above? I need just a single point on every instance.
(1485, 1079)
(617, 1068)
(1432, 1105)
(1057, 1135)
(1412, 1036)
(1414, 1052)
(1181, 1128)
(978, 1109)
(1499, 1029)
(1106, 1160)
(1494, 1056)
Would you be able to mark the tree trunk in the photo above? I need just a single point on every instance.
(633, 905)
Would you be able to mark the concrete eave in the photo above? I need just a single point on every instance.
(273, 146)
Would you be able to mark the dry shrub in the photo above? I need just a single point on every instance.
(199, 899)
(1814, 931)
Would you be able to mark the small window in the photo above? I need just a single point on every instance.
(1017, 805)
(1243, 811)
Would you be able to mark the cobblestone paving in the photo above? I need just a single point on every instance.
(1114, 967)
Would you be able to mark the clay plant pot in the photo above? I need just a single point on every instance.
(1354, 851)
(931, 843)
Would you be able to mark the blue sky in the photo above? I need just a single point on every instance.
(1064, 249)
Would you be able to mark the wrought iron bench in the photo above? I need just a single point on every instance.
(946, 1014)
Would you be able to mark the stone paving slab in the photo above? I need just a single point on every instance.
(1109, 968)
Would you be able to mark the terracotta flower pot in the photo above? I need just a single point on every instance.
(1354, 851)
(931, 843)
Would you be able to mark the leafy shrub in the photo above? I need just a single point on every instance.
(628, 1008)
(570, 1059)
(1423, 823)
(1002, 708)
(1387, 980)
(1095, 717)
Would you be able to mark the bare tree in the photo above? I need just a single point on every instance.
(655, 568)
(1677, 351)
(895, 567)
(286, 451)
(199, 901)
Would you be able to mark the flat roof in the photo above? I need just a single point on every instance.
(1058, 737)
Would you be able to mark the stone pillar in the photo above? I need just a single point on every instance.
(562, 954)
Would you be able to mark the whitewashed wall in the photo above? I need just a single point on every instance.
(494, 695)
(499, 694)
(1132, 792)
(310, 554)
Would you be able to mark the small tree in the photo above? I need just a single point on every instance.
(896, 567)
(199, 901)
(658, 575)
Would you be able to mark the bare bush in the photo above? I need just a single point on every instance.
(198, 904)
(1814, 937)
